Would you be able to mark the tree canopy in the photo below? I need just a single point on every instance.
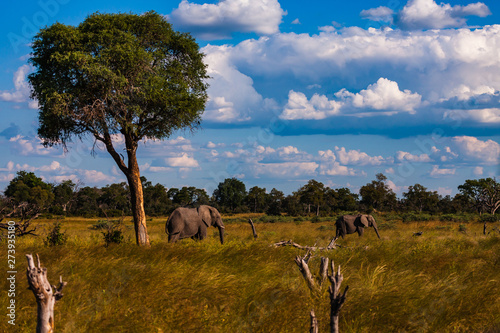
(116, 73)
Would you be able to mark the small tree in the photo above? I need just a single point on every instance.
(230, 193)
(378, 194)
(275, 200)
(256, 199)
(117, 75)
(313, 193)
(417, 198)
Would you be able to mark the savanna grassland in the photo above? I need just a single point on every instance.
(447, 280)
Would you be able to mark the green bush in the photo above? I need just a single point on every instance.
(113, 232)
(55, 236)
(112, 236)
(489, 218)
(392, 217)
(412, 217)
(456, 218)
(448, 218)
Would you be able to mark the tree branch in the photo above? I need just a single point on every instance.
(332, 245)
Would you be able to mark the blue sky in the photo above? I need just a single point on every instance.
(337, 91)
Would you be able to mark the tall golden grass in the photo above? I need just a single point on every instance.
(443, 281)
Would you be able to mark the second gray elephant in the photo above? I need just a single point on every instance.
(349, 224)
(193, 223)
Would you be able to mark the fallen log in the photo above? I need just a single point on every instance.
(332, 245)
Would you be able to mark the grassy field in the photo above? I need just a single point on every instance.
(443, 281)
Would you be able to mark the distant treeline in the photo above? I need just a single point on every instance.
(29, 192)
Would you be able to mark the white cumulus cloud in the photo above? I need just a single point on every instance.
(473, 149)
(218, 21)
(357, 157)
(300, 107)
(427, 14)
(436, 172)
(382, 95)
(402, 156)
(183, 161)
(21, 92)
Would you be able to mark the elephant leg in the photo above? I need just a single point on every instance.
(360, 231)
(202, 234)
(339, 233)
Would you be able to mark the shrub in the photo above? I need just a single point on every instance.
(455, 218)
(392, 217)
(113, 232)
(112, 236)
(411, 217)
(462, 228)
(55, 236)
(489, 218)
(448, 218)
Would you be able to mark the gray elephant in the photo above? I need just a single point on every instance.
(349, 224)
(193, 222)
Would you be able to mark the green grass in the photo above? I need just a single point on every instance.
(442, 281)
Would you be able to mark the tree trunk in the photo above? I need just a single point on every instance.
(314, 323)
(336, 298)
(132, 172)
(45, 294)
(137, 205)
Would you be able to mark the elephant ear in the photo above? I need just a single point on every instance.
(204, 213)
(364, 220)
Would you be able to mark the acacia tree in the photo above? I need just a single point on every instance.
(117, 75)
(483, 194)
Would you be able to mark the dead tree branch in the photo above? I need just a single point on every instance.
(302, 262)
(46, 294)
(315, 285)
(25, 211)
(336, 298)
(332, 245)
(253, 228)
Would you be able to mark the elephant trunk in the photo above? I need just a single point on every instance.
(221, 234)
(376, 230)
